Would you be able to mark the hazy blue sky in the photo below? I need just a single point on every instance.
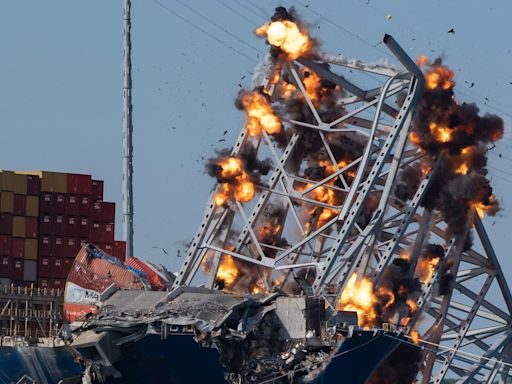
(60, 89)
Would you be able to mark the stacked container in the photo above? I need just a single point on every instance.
(45, 218)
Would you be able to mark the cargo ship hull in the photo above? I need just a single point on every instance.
(180, 360)
(42, 365)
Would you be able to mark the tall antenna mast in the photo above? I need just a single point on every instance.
(127, 133)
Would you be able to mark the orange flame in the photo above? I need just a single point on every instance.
(358, 296)
(228, 271)
(463, 169)
(259, 114)
(415, 138)
(442, 134)
(415, 336)
(439, 77)
(482, 208)
(286, 35)
(240, 185)
(426, 268)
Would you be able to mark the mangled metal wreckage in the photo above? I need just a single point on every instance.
(254, 337)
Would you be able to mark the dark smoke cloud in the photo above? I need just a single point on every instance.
(453, 192)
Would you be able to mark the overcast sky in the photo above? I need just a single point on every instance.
(61, 97)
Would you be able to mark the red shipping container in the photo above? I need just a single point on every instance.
(5, 245)
(108, 212)
(5, 224)
(59, 204)
(59, 225)
(58, 247)
(84, 242)
(120, 250)
(5, 266)
(17, 247)
(65, 267)
(97, 190)
(57, 283)
(17, 270)
(72, 205)
(43, 283)
(45, 225)
(79, 184)
(43, 267)
(85, 185)
(72, 183)
(72, 226)
(107, 235)
(96, 232)
(85, 206)
(33, 185)
(83, 227)
(45, 246)
(46, 203)
(72, 246)
(31, 227)
(96, 211)
(108, 248)
(20, 203)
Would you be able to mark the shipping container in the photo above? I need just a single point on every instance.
(108, 248)
(59, 204)
(30, 249)
(20, 184)
(17, 270)
(58, 247)
(73, 205)
(72, 246)
(79, 184)
(59, 225)
(43, 267)
(31, 227)
(45, 225)
(6, 202)
(5, 224)
(29, 270)
(7, 181)
(107, 233)
(83, 227)
(119, 250)
(19, 224)
(33, 185)
(85, 206)
(57, 284)
(97, 190)
(5, 266)
(72, 226)
(5, 245)
(54, 182)
(95, 234)
(96, 211)
(19, 204)
(45, 246)
(32, 206)
(17, 247)
(47, 202)
(108, 212)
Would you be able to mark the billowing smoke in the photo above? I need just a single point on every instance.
(457, 135)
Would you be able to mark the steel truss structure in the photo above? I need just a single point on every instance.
(370, 226)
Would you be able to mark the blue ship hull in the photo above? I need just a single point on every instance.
(44, 365)
(180, 360)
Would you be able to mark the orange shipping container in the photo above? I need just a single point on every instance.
(19, 226)
(54, 182)
(7, 181)
(20, 184)
(6, 202)
(32, 206)
(30, 249)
